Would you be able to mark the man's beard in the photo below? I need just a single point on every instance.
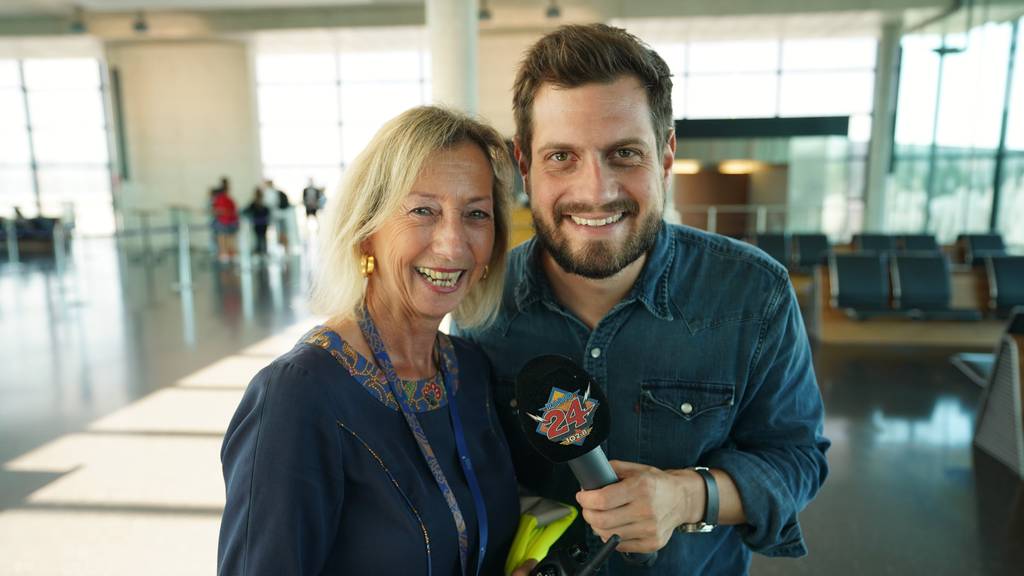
(598, 259)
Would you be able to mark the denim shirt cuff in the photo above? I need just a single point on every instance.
(772, 528)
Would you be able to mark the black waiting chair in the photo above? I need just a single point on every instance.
(874, 243)
(778, 246)
(977, 247)
(922, 286)
(917, 243)
(811, 250)
(1005, 283)
(860, 285)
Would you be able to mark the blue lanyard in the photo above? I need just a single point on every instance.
(450, 370)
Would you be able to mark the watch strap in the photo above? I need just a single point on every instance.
(712, 503)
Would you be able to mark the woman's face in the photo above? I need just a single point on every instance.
(434, 249)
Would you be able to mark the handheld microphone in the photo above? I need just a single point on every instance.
(564, 416)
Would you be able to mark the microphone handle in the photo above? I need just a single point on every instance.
(593, 471)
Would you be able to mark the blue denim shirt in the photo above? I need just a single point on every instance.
(705, 362)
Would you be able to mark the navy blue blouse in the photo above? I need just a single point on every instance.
(323, 475)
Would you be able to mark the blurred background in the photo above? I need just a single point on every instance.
(876, 148)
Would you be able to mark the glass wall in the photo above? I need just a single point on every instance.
(786, 77)
(54, 155)
(322, 96)
(1011, 196)
(952, 93)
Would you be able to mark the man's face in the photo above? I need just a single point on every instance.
(596, 180)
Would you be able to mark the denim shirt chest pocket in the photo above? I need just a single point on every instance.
(681, 419)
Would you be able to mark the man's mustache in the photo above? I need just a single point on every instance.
(622, 205)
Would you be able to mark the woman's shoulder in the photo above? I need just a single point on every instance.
(304, 376)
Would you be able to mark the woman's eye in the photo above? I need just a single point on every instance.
(479, 215)
(422, 211)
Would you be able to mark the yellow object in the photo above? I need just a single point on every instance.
(366, 265)
(541, 523)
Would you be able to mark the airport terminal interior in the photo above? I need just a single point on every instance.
(876, 149)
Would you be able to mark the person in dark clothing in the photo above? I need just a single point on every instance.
(373, 446)
(259, 216)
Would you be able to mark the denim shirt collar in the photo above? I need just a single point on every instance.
(651, 287)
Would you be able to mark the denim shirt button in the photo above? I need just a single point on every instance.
(513, 403)
(686, 407)
(595, 352)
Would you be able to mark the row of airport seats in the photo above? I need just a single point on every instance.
(918, 285)
(971, 249)
(800, 252)
(803, 251)
(895, 243)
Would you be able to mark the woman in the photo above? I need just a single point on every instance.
(372, 447)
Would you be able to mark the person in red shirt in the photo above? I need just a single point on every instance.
(225, 221)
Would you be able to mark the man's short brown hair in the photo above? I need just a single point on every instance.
(583, 54)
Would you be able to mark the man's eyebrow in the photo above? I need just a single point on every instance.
(555, 146)
(636, 142)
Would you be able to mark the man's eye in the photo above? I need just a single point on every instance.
(627, 153)
(479, 215)
(560, 156)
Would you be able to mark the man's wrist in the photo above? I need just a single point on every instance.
(693, 500)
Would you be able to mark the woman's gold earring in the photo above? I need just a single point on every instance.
(487, 271)
(366, 265)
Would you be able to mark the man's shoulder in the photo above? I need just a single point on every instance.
(716, 251)
(714, 277)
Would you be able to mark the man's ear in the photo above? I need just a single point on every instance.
(668, 156)
(521, 162)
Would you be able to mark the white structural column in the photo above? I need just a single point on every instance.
(882, 126)
(453, 30)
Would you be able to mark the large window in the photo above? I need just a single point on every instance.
(54, 156)
(785, 77)
(323, 96)
(949, 120)
(1011, 196)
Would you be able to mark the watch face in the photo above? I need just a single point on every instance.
(698, 528)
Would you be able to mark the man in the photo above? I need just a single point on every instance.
(697, 339)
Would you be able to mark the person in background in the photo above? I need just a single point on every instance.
(372, 447)
(259, 216)
(312, 199)
(281, 211)
(225, 221)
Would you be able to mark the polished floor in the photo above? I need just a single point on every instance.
(116, 387)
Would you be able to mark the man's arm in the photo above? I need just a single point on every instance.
(647, 504)
(769, 470)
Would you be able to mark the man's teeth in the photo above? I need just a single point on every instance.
(598, 221)
(438, 278)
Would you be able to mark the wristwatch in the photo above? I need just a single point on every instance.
(710, 510)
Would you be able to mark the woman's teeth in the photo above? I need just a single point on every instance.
(596, 221)
(438, 278)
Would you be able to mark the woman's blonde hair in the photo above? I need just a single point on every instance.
(372, 191)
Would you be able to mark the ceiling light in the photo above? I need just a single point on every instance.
(553, 10)
(77, 21)
(685, 166)
(739, 166)
(139, 24)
